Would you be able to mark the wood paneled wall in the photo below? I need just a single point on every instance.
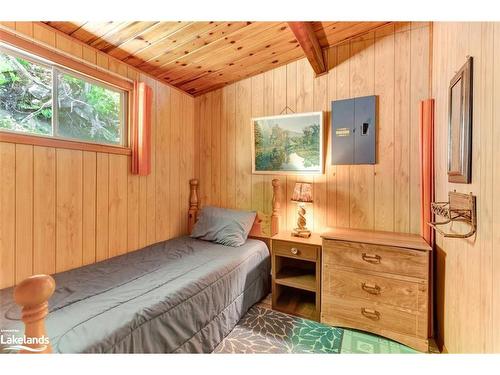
(468, 270)
(393, 63)
(61, 209)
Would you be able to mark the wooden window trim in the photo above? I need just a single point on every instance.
(36, 140)
(82, 69)
(64, 61)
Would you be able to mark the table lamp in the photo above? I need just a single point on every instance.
(302, 194)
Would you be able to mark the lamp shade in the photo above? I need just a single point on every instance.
(302, 192)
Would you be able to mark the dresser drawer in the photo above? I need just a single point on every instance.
(295, 250)
(394, 260)
(365, 315)
(408, 295)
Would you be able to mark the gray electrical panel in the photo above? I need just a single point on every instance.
(354, 130)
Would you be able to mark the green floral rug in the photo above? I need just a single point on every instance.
(263, 330)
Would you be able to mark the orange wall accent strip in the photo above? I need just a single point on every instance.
(141, 130)
(426, 109)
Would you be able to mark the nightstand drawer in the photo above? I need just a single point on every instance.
(365, 315)
(377, 258)
(295, 250)
(383, 290)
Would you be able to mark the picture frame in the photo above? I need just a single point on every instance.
(288, 144)
(460, 125)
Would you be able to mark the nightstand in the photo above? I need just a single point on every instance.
(296, 275)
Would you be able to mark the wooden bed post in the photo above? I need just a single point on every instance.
(33, 294)
(275, 216)
(193, 204)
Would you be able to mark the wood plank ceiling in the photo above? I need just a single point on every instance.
(198, 57)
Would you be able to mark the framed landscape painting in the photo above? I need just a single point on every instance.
(288, 144)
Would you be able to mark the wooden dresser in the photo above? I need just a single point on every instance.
(377, 282)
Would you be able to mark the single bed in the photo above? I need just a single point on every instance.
(179, 296)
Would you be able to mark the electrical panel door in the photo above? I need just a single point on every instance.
(343, 131)
(354, 130)
(364, 133)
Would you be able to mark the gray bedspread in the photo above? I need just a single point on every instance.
(182, 295)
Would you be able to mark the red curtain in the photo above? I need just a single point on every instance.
(426, 167)
(140, 131)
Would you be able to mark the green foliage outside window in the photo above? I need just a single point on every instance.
(85, 110)
(25, 96)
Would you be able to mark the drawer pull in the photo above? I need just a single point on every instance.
(294, 250)
(369, 288)
(371, 258)
(370, 314)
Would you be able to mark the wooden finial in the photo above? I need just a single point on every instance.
(275, 216)
(33, 294)
(193, 204)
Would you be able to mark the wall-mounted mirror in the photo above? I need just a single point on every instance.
(460, 125)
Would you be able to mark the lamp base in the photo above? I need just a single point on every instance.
(304, 233)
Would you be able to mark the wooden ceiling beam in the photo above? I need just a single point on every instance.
(202, 56)
(308, 40)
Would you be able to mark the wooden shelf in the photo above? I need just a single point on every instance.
(297, 302)
(296, 282)
(296, 278)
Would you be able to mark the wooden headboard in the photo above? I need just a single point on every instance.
(257, 230)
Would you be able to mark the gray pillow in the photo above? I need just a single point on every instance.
(222, 225)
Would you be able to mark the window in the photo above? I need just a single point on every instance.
(40, 98)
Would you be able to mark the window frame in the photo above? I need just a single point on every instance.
(59, 63)
(123, 107)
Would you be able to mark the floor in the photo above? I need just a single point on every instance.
(263, 330)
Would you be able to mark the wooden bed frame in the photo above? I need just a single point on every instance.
(33, 293)
(257, 230)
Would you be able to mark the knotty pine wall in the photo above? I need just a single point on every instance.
(61, 209)
(468, 270)
(393, 63)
